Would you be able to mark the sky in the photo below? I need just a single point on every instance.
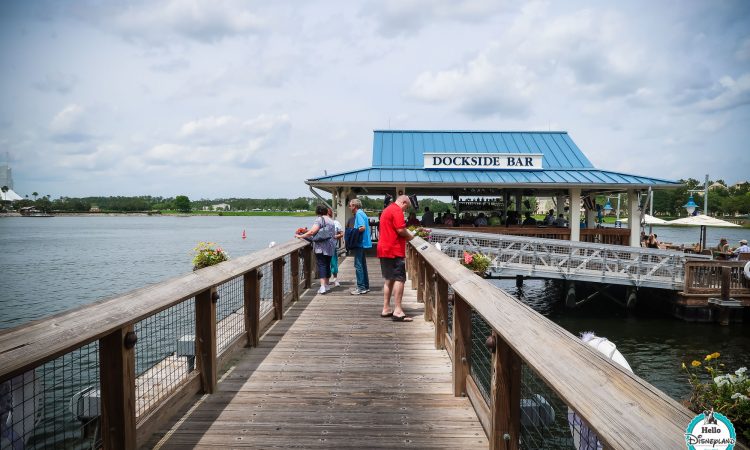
(220, 99)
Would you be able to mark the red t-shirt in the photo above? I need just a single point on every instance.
(390, 244)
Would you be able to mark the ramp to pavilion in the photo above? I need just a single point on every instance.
(334, 374)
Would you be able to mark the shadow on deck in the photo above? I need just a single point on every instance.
(334, 373)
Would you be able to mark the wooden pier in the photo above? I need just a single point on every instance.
(334, 374)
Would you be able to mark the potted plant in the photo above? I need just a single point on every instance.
(422, 232)
(477, 262)
(206, 254)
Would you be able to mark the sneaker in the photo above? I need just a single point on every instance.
(322, 290)
(328, 287)
(356, 292)
(365, 291)
(336, 283)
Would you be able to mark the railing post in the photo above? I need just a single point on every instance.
(307, 266)
(117, 374)
(421, 285)
(252, 307)
(441, 313)
(295, 275)
(413, 265)
(205, 339)
(429, 291)
(461, 344)
(505, 398)
(278, 289)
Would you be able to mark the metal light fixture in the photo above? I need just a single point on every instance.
(690, 206)
(607, 207)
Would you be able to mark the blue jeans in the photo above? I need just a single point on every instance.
(360, 268)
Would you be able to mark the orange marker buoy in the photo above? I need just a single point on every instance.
(244, 236)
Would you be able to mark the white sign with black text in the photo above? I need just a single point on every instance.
(484, 161)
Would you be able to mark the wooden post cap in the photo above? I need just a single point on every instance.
(130, 339)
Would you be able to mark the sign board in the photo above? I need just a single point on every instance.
(483, 161)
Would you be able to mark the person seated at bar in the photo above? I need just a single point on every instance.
(652, 242)
(743, 248)
(481, 220)
(413, 221)
(495, 220)
(428, 218)
(512, 219)
(439, 219)
(529, 221)
(560, 222)
(723, 246)
(549, 219)
(448, 219)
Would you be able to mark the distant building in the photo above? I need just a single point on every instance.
(6, 176)
(221, 207)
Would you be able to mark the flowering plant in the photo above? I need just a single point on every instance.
(301, 230)
(476, 261)
(422, 232)
(205, 255)
(727, 393)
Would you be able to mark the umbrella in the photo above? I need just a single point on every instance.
(701, 220)
(649, 220)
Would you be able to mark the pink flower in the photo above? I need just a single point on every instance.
(468, 258)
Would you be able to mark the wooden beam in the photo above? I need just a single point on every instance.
(429, 292)
(505, 398)
(117, 374)
(307, 266)
(278, 288)
(461, 345)
(252, 307)
(205, 339)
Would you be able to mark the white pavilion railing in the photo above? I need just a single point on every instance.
(567, 260)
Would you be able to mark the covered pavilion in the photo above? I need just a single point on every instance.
(489, 164)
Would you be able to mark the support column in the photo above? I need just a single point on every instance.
(560, 200)
(590, 218)
(634, 218)
(341, 205)
(575, 214)
(518, 196)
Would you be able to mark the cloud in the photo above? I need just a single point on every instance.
(398, 17)
(206, 22)
(480, 88)
(57, 82)
(171, 66)
(223, 141)
(743, 52)
(730, 93)
(69, 125)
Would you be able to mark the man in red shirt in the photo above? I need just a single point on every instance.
(392, 251)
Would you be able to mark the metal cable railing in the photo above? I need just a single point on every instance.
(230, 311)
(481, 357)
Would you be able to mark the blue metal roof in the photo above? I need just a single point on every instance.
(399, 148)
(398, 158)
(475, 177)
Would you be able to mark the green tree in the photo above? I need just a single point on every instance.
(35, 194)
(182, 203)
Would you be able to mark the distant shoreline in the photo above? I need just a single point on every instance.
(175, 214)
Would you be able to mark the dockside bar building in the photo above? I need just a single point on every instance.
(500, 164)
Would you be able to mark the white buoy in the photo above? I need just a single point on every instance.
(273, 243)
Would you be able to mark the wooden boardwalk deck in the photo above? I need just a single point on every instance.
(334, 374)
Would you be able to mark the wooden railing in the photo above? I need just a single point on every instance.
(612, 236)
(705, 277)
(622, 409)
(132, 406)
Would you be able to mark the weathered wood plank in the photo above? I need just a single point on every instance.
(334, 373)
(117, 373)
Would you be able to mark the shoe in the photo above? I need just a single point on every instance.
(365, 291)
(322, 290)
(403, 318)
(328, 287)
(356, 292)
(336, 283)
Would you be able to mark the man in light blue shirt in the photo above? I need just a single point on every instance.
(362, 224)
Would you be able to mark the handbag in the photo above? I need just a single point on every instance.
(324, 233)
(353, 238)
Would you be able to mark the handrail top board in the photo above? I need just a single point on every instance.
(613, 401)
(29, 345)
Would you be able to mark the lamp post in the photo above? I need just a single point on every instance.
(690, 205)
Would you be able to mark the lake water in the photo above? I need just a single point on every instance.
(53, 264)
